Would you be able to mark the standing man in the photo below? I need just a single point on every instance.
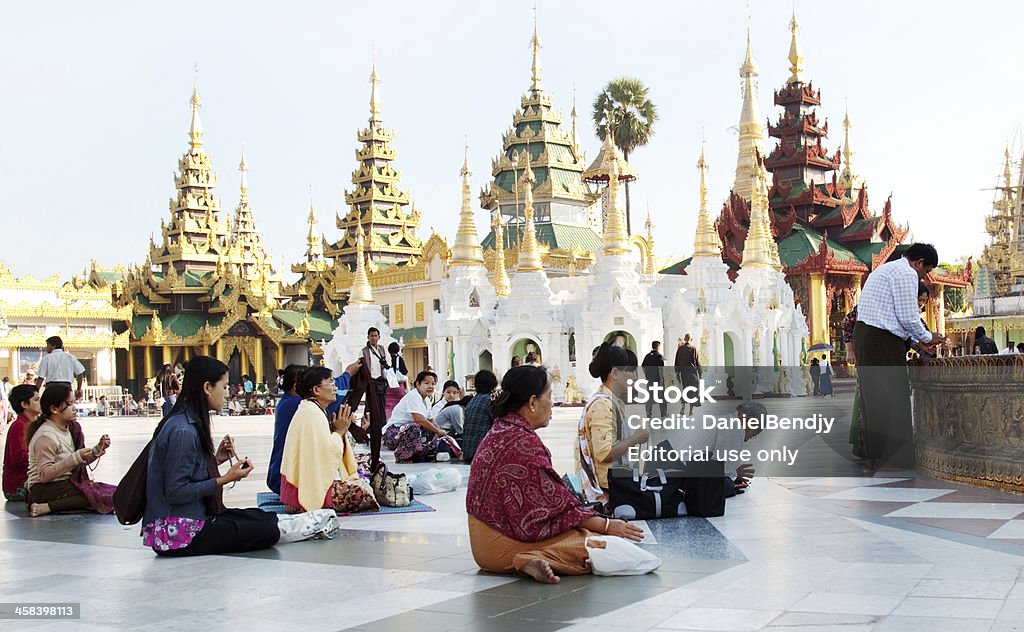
(887, 321)
(248, 389)
(654, 369)
(688, 369)
(983, 345)
(375, 361)
(60, 366)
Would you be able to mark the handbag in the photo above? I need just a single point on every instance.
(390, 489)
(130, 496)
(633, 495)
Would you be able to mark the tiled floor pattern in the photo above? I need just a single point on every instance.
(887, 553)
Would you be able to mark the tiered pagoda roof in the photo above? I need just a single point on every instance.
(377, 204)
(562, 200)
(819, 221)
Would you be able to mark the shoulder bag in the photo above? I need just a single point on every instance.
(391, 490)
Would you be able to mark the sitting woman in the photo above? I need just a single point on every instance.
(410, 432)
(600, 443)
(521, 517)
(185, 513)
(24, 400)
(58, 479)
(318, 466)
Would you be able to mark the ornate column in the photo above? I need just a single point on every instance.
(218, 350)
(131, 364)
(280, 355)
(148, 363)
(167, 355)
(819, 308)
(940, 309)
(204, 350)
(257, 362)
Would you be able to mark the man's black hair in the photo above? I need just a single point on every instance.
(927, 252)
(55, 342)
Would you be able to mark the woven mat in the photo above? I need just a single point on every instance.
(269, 501)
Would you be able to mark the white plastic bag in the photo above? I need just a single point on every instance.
(436, 480)
(611, 555)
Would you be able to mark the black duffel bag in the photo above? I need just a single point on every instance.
(633, 495)
(705, 488)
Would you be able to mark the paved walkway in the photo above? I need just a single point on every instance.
(894, 552)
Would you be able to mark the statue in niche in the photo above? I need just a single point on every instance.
(474, 299)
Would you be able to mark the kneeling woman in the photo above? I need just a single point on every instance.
(58, 478)
(318, 466)
(411, 432)
(185, 513)
(521, 516)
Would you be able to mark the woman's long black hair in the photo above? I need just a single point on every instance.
(192, 398)
(55, 395)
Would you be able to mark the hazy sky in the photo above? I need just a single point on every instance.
(95, 106)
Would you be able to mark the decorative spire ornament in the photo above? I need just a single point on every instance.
(536, 45)
(706, 242)
(616, 240)
(757, 250)
(752, 137)
(195, 130)
(529, 252)
(848, 179)
(649, 267)
(374, 96)
(314, 245)
(796, 58)
(360, 294)
(466, 251)
(500, 279)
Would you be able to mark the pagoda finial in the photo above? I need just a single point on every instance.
(848, 179)
(195, 130)
(751, 142)
(529, 252)
(616, 239)
(796, 59)
(314, 245)
(466, 251)
(649, 267)
(360, 294)
(757, 250)
(706, 242)
(1007, 178)
(500, 278)
(536, 45)
(244, 185)
(575, 135)
(374, 95)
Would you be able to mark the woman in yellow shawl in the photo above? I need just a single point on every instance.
(318, 467)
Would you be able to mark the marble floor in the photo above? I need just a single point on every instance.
(848, 552)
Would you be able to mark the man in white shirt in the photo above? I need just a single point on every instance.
(887, 321)
(60, 366)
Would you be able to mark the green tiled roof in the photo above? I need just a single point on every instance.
(109, 276)
(321, 326)
(553, 235)
(409, 333)
(677, 267)
(194, 279)
(183, 325)
(803, 241)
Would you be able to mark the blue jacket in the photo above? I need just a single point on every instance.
(343, 382)
(283, 413)
(177, 479)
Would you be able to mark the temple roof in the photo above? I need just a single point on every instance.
(553, 235)
(321, 325)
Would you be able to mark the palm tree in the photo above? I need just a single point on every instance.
(624, 101)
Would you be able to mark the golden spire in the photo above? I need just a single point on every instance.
(314, 246)
(466, 251)
(500, 279)
(244, 186)
(796, 60)
(616, 239)
(536, 45)
(529, 252)
(1007, 178)
(360, 294)
(374, 96)
(706, 243)
(649, 267)
(751, 131)
(757, 250)
(575, 135)
(195, 130)
(847, 178)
